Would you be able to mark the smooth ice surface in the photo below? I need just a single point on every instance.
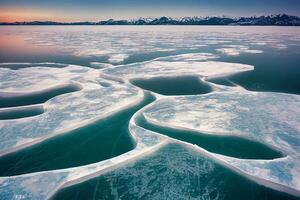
(270, 118)
(64, 112)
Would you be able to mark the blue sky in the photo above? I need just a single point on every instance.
(95, 10)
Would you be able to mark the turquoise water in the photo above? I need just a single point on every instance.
(100, 140)
(13, 100)
(21, 112)
(275, 70)
(187, 85)
(173, 172)
(226, 145)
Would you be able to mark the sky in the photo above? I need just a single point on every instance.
(97, 10)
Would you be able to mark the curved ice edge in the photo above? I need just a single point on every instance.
(66, 130)
(76, 174)
(213, 86)
(36, 107)
(235, 134)
(3, 64)
(105, 166)
(261, 181)
(75, 85)
(127, 78)
(80, 174)
(209, 56)
(220, 159)
(114, 163)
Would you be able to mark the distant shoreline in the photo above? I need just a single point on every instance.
(272, 20)
(145, 25)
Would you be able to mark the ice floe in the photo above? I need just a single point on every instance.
(116, 45)
(234, 50)
(117, 58)
(228, 111)
(107, 44)
(270, 118)
(189, 57)
(97, 98)
(31, 186)
(159, 68)
(64, 112)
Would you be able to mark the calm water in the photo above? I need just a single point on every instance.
(187, 85)
(173, 170)
(15, 100)
(226, 145)
(174, 173)
(95, 142)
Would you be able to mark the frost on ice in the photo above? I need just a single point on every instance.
(270, 118)
(64, 112)
(227, 111)
(157, 68)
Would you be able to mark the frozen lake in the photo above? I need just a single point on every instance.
(149, 112)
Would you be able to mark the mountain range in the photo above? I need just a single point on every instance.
(271, 20)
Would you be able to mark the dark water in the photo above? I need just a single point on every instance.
(95, 142)
(275, 70)
(186, 85)
(170, 172)
(21, 112)
(173, 172)
(226, 145)
(13, 100)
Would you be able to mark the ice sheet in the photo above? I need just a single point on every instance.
(118, 44)
(64, 112)
(270, 118)
(158, 68)
(107, 90)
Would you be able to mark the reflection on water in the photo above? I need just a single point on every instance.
(15, 48)
(129, 44)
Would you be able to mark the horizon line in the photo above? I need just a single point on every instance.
(153, 18)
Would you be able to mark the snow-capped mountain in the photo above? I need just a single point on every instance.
(277, 20)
